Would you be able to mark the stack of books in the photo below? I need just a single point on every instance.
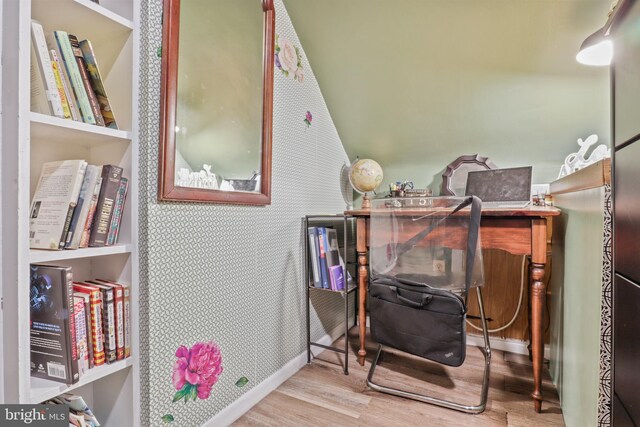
(80, 415)
(76, 326)
(77, 205)
(65, 79)
(327, 265)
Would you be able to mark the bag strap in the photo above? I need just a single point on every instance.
(472, 240)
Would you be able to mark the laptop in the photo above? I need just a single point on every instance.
(501, 188)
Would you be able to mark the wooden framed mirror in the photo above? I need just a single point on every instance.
(216, 101)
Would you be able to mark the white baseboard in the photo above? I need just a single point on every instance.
(238, 408)
(503, 344)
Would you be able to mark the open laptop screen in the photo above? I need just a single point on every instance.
(500, 185)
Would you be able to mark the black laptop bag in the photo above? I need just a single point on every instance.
(409, 315)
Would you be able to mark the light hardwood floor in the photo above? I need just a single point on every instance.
(321, 395)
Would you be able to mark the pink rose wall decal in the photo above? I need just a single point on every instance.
(196, 371)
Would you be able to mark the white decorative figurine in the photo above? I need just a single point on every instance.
(202, 179)
(576, 161)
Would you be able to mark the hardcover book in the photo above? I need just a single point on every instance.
(54, 202)
(82, 345)
(97, 84)
(106, 201)
(114, 227)
(127, 320)
(86, 302)
(86, 80)
(108, 321)
(53, 349)
(118, 300)
(97, 330)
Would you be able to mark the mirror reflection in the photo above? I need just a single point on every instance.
(218, 119)
(217, 101)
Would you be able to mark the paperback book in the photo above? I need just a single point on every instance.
(83, 206)
(313, 256)
(116, 219)
(44, 68)
(86, 80)
(97, 84)
(61, 40)
(322, 257)
(54, 202)
(80, 415)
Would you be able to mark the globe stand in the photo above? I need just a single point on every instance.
(366, 202)
(365, 175)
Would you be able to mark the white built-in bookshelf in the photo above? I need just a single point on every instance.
(29, 140)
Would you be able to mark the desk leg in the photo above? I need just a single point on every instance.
(363, 280)
(537, 297)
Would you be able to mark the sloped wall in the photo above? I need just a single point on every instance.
(414, 84)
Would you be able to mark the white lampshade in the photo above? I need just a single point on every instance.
(597, 49)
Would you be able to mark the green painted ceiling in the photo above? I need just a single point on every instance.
(416, 83)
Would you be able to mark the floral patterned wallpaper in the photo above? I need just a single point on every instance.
(221, 289)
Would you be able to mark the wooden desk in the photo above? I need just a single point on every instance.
(517, 231)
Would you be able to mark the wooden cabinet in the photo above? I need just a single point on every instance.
(626, 289)
(30, 139)
(627, 212)
(626, 83)
(626, 349)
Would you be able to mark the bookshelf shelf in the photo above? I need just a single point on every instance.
(351, 286)
(41, 256)
(42, 389)
(84, 16)
(44, 127)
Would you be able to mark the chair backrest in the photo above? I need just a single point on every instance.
(431, 240)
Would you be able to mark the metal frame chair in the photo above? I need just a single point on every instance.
(486, 350)
(471, 409)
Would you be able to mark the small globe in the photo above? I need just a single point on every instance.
(365, 175)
